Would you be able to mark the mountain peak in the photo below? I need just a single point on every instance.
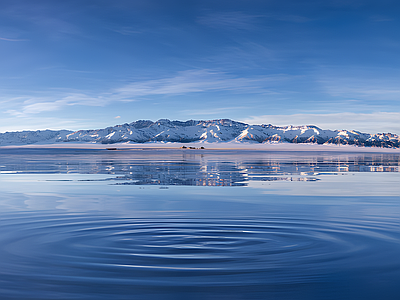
(218, 130)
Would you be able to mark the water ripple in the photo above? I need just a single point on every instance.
(64, 252)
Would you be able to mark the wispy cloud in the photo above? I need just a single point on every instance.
(194, 81)
(244, 56)
(380, 18)
(229, 20)
(127, 31)
(292, 18)
(361, 83)
(190, 81)
(12, 40)
(237, 20)
(368, 90)
(365, 122)
(49, 19)
(37, 105)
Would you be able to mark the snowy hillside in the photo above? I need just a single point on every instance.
(32, 137)
(223, 130)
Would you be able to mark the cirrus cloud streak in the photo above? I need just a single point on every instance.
(190, 81)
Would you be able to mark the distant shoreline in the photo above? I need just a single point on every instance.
(270, 147)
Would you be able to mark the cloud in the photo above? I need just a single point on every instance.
(363, 90)
(194, 81)
(47, 18)
(237, 20)
(118, 117)
(364, 122)
(190, 81)
(127, 31)
(293, 18)
(12, 33)
(229, 20)
(380, 18)
(360, 83)
(37, 105)
(244, 56)
(12, 40)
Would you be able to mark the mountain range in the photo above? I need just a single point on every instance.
(211, 131)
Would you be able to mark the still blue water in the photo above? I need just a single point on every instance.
(192, 224)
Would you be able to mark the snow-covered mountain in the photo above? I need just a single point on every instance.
(32, 137)
(222, 130)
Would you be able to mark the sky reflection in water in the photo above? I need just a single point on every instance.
(97, 224)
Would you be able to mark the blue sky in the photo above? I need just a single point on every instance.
(91, 64)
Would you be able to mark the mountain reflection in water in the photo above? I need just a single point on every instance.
(197, 168)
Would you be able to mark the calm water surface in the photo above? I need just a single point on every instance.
(191, 224)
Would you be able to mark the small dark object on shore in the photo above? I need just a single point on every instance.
(184, 147)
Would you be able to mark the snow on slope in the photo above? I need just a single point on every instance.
(212, 131)
(33, 137)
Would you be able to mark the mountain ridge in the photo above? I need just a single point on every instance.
(211, 131)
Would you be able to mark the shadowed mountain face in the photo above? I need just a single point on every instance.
(222, 130)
